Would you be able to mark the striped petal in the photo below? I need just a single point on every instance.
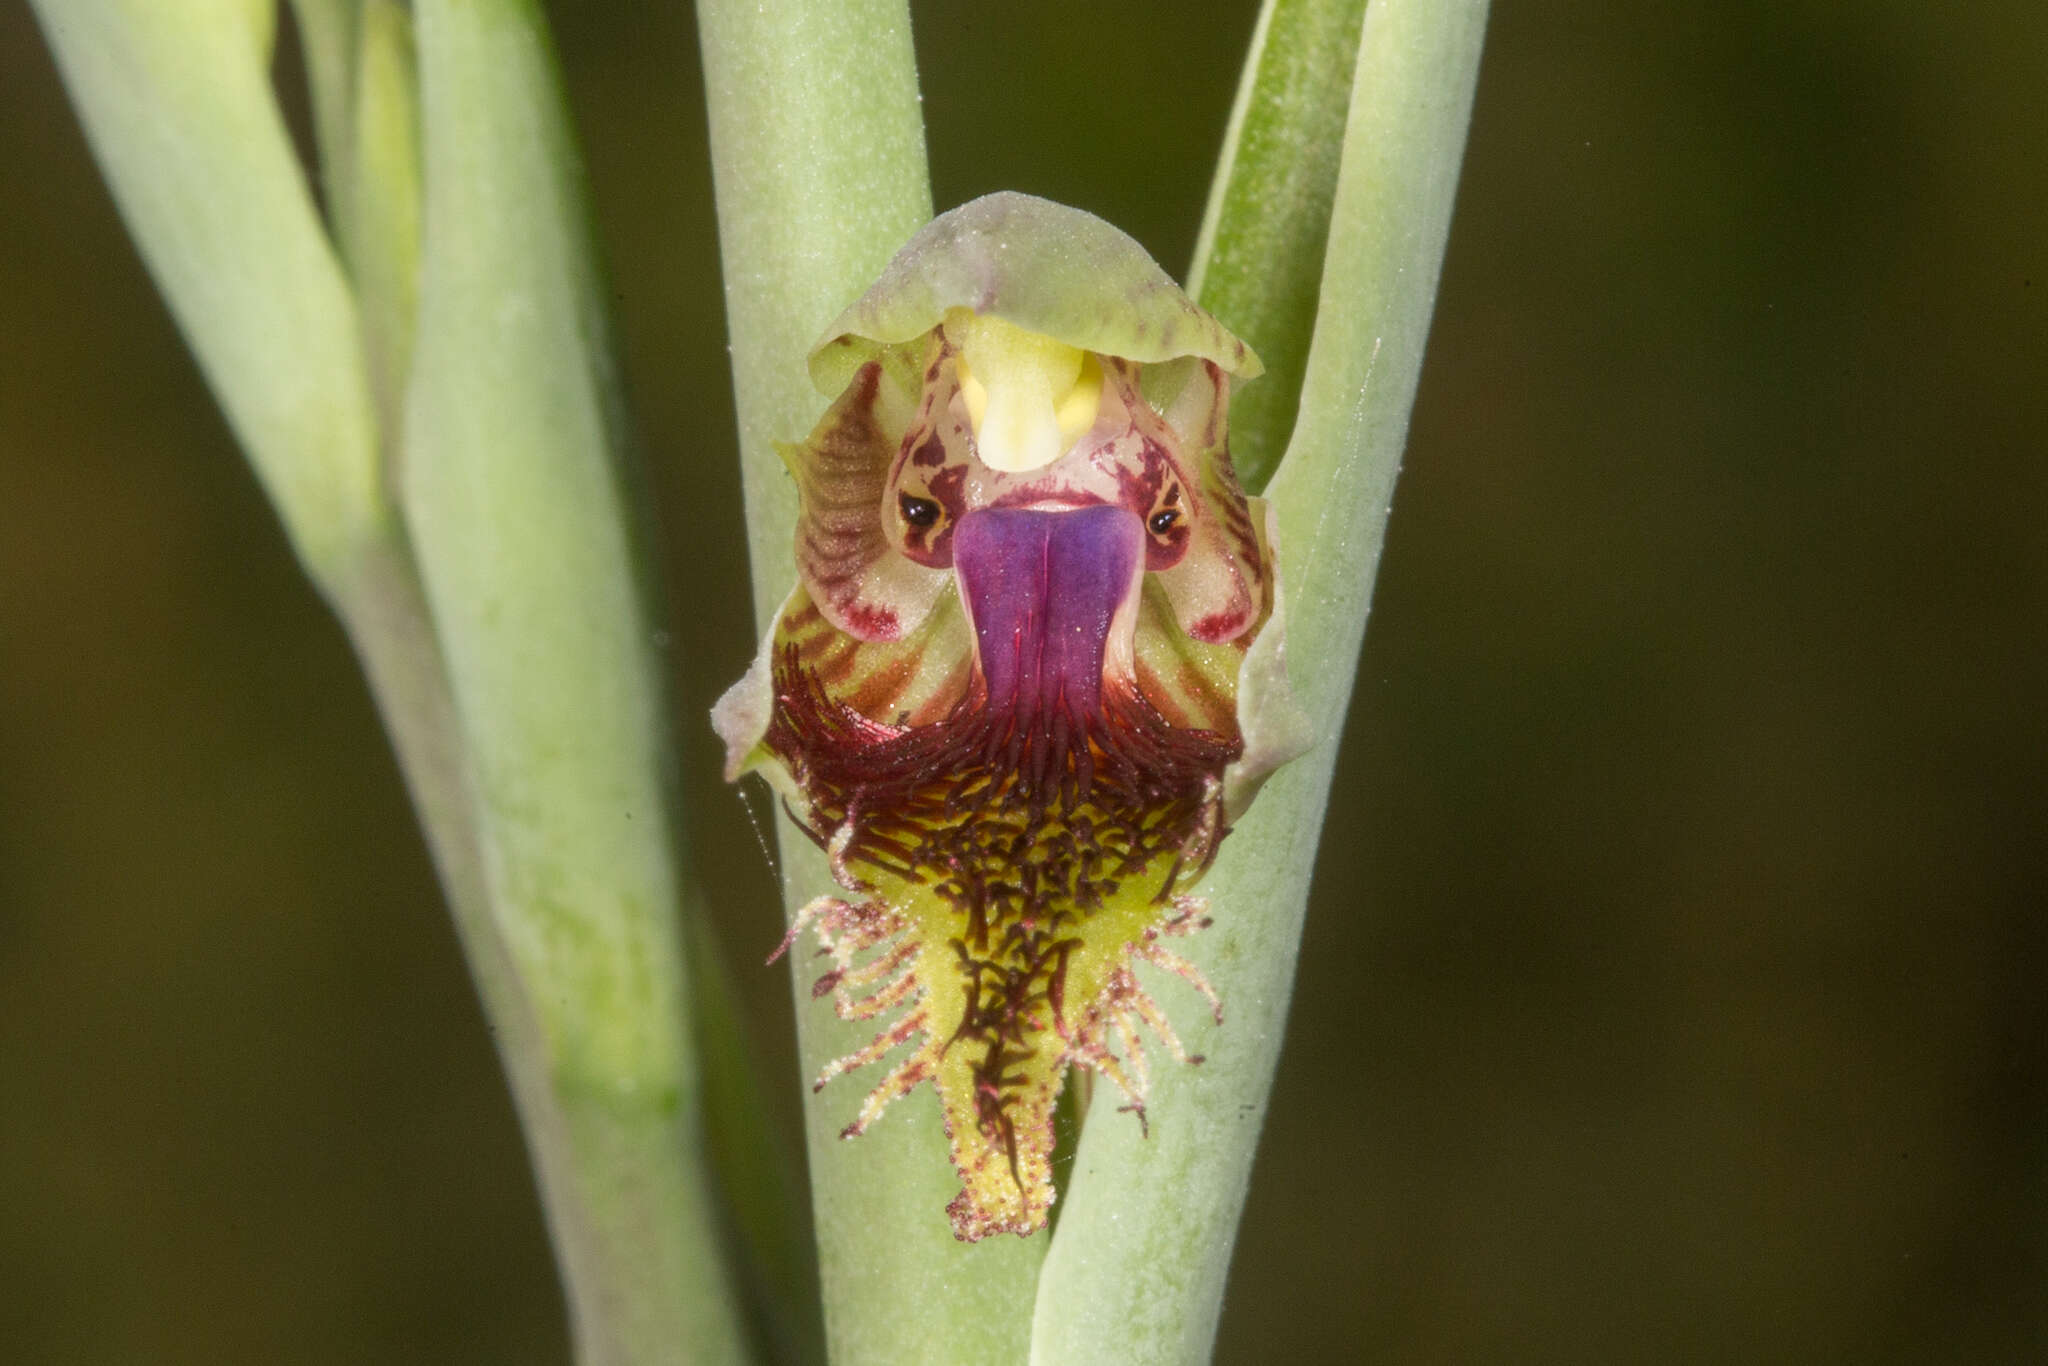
(842, 553)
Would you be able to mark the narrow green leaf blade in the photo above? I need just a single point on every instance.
(380, 232)
(1136, 1273)
(328, 43)
(520, 501)
(1259, 259)
(177, 104)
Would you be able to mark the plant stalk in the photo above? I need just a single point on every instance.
(524, 516)
(818, 155)
(1137, 1271)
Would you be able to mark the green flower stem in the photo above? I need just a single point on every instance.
(817, 148)
(1137, 1269)
(385, 611)
(1259, 259)
(818, 152)
(518, 497)
(757, 1173)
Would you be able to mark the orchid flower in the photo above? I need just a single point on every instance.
(1031, 671)
(1029, 677)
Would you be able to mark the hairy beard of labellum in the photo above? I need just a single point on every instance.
(1001, 810)
(1018, 854)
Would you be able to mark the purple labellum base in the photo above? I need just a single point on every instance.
(1045, 590)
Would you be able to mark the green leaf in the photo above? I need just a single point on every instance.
(177, 104)
(523, 513)
(1259, 260)
(1136, 1273)
(380, 229)
(328, 39)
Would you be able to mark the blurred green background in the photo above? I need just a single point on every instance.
(1674, 988)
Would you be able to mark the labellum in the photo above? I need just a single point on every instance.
(1031, 671)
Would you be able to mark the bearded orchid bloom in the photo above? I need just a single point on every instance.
(1031, 671)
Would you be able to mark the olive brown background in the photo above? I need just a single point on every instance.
(1674, 984)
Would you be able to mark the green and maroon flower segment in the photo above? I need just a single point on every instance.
(1031, 671)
